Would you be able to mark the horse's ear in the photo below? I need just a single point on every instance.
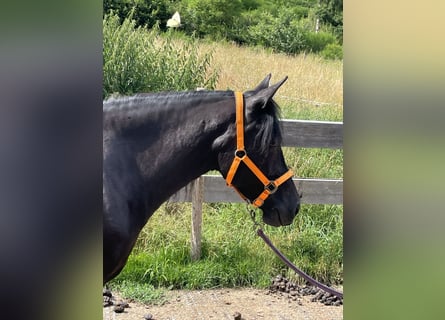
(260, 99)
(262, 85)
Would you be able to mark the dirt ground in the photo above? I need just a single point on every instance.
(252, 304)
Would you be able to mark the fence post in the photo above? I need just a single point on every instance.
(197, 199)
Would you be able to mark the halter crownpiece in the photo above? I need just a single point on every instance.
(270, 186)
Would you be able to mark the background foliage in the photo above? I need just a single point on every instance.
(284, 26)
(145, 13)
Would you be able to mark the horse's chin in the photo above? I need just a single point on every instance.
(272, 222)
(276, 219)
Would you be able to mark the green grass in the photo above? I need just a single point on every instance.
(142, 292)
(311, 112)
(232, 255)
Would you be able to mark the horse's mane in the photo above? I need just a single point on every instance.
(158, 97)
(270, 131)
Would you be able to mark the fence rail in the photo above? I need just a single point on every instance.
(312, 134)
(296, 133)
(312, 191)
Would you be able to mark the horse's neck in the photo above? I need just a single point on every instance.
(181, 148)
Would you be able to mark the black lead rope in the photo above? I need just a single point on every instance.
(293, 267)
(261, 234)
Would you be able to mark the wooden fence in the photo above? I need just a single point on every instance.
(296, 133)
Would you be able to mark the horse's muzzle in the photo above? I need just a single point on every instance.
(277, 216)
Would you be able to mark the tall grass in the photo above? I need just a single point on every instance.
(232, 255)
(140, 60)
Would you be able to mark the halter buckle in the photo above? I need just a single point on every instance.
(271, 187)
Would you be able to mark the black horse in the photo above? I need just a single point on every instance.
(155, 144)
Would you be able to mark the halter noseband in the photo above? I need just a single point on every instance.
(241, 156)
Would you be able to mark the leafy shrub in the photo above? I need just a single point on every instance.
(284, 26)
(289, 30)
(211, 18)
(282, 33)
(145, 13)
(137, 60)
(332, 51)
(316, 42)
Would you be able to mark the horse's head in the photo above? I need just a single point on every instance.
(259, 173)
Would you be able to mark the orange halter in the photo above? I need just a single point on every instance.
(241, 156)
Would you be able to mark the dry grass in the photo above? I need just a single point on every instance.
(311, 78)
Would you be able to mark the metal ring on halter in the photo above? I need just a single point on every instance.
(252, 213)
(240, 153)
